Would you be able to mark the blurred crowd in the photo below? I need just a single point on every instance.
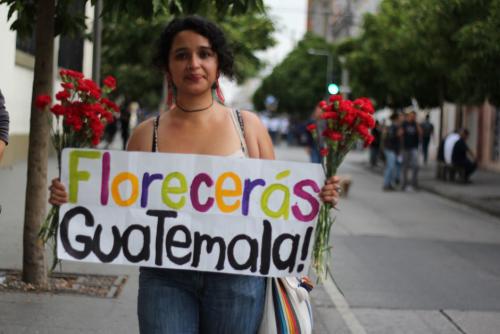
(401, 144)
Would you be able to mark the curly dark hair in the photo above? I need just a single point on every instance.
(203, 27)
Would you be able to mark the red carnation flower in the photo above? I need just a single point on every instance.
(82, 86)
(311, 127)
(58, 110)
(329, 115)
(336, 98)
(323, 152)
(63, 95)
(42, 101)
(67, 85)
(369, 140)
(110, 82)
(345, 105)
(335, 136)
(110, 104)
(71, 73)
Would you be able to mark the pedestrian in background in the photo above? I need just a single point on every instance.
(4, 126)
(375, 145)
(411, 139)
(392, 146)
(193, 52)
(125, 123)
(313, 146)
(460, 155)
(427, 135)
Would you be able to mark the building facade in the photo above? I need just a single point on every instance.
(16, 75)
(338, 19)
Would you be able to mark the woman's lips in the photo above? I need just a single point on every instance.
(194, 77)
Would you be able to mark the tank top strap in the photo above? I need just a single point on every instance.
(240, 129)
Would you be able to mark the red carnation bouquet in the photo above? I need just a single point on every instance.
(81, 114)
(342, 124)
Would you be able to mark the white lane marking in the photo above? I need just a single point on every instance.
(342, 307)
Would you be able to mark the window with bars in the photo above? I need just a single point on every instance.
(71, 47)
(26, 44)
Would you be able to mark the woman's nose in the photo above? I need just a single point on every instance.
(194, 61)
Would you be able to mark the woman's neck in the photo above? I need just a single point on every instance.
(197, 103)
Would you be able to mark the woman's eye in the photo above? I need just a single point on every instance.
(205, 54)
(181, 55)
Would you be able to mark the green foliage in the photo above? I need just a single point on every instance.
(128, 43)
(299, 81)
(433, 50)
(248, 34)
(65, 22)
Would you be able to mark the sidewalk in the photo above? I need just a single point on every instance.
(482, 194)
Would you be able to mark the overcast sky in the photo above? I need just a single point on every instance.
(290, 18)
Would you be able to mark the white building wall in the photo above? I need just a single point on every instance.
(16, 82)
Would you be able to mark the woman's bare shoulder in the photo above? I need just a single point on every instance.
(142, 136)
(252, 120)
(257, 134)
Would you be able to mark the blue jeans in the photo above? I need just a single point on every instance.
(314, 155)
(410, 161)
(181, 301)
(390, 167)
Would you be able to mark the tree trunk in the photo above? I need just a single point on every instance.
(34, 263)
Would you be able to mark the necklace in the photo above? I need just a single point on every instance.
(194, 110)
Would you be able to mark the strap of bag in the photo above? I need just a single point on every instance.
(154, 147)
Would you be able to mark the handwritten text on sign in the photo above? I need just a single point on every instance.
(195, 212)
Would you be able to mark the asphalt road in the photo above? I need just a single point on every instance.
(408, 262)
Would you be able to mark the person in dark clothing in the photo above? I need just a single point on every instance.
(460, 154)
(375, 145)
(125, 123)
(312, 144)
(110, 131)
(411, 139)
(4, 126)
(392, 146)
(427, 134)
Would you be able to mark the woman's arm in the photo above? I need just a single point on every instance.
(259, 143)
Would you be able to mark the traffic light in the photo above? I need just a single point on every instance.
(333, 89)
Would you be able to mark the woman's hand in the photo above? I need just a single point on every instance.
(58, 194)
(330, 192)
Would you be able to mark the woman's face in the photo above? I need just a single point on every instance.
(192, 64)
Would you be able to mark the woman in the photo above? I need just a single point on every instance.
(193, 53)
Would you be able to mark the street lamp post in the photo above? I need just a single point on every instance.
(344, 88)
(329, 63)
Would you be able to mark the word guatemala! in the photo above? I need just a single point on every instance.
(211, 219)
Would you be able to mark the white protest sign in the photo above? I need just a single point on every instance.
(195, 212)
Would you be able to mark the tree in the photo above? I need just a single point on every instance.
(433, 50)
(51, 18)
(298, 82)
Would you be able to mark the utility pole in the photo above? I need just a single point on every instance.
(96, 54)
